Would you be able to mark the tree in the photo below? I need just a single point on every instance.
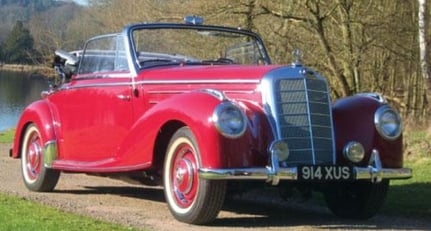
(19, 45)
(423, 48)
(50, 29)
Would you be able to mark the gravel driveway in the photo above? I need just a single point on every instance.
(139, 206)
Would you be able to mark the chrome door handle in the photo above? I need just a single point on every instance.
(124, 97)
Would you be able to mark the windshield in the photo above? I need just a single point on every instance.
(163, 46)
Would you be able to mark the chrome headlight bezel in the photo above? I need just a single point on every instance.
(229, 120)
(388, 122)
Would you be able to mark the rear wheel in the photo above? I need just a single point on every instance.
(36, 176)
(356, 200)
(190, 199)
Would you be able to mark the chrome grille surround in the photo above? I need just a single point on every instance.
(297, 104)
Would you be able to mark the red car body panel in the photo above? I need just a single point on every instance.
(95, 128)
(38, 112)
(354, 120)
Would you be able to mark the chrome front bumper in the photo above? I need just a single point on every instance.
(274, 173)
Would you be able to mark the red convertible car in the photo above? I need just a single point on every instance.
(201, 111)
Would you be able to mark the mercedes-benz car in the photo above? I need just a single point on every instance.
(201, 111)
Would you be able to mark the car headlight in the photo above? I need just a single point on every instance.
(229, 120)
(388, 122)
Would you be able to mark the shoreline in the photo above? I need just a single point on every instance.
(42, 70)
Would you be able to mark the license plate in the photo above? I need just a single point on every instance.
(324, 173)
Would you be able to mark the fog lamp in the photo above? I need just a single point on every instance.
(280, 149)
(354, 151)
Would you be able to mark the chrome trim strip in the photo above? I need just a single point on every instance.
(96, 166)
(310, 125)
(376, 96)
(167, 92)
(215, 93)
(198, 81)
(334, 154)
(96, 85)
(162, 82)
(247, 174)
(185, 91)
(102, 75)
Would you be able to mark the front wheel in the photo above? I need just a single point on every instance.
(190, 199)
(36, 176)
(356, 200)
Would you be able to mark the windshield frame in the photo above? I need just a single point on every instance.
(129, 31)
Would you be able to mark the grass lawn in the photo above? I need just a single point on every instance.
(412, 197)
(20, 214)
(7, 136)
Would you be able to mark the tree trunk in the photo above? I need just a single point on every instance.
(423, 50)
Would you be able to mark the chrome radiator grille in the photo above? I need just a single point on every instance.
(304, 120)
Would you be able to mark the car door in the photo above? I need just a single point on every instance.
(94, 111)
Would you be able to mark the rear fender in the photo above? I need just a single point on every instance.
(354, 121)
(193, 110)
(38, 113)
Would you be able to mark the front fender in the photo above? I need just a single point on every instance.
(192, 109)
(38, 113)
(354, 121)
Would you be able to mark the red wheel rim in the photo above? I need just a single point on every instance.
(184, 176)
(33, 156)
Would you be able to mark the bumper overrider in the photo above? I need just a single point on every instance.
(273, 173)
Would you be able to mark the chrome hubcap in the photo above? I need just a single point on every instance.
(184, 177)
(34, 157)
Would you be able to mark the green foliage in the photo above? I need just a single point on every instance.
(417, 144)
(20, 214)
(7, 136)
(19, 45)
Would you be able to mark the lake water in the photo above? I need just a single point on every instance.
(17, 90)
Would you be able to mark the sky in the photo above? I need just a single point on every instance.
(81, 2)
